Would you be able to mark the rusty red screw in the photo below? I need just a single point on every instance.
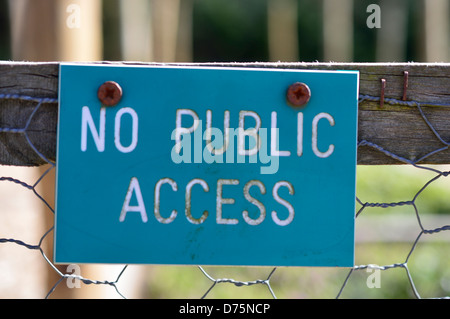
(405, 84)
(109, 93)
(298, 94)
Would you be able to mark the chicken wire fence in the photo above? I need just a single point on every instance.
(267, 280)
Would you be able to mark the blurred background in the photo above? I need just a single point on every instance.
(235, 31)
(232, 30)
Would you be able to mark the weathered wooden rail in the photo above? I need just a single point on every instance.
(395, 127)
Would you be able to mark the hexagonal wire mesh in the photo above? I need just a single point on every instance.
(265, 281)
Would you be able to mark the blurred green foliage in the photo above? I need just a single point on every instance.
(428, 267)
(396, 183)
(230, 31)
(235, 30)
(428, 263)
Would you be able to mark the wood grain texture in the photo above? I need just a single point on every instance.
(398, 129)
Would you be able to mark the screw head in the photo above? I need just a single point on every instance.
(109, 93)
(298, 94)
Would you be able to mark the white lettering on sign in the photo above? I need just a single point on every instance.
(210, 129)
(188, 201)
(212, 153)
(173, 214)
(134, 188)
(299, 134)
(283, 202)
(224, 143)
(184, 130)
(134, 128)
(220, 201)
(274, 139)
(99, 134)
(251, 132)
(315, 123)
(257, 203)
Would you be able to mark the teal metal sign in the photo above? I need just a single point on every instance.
(205, 166)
